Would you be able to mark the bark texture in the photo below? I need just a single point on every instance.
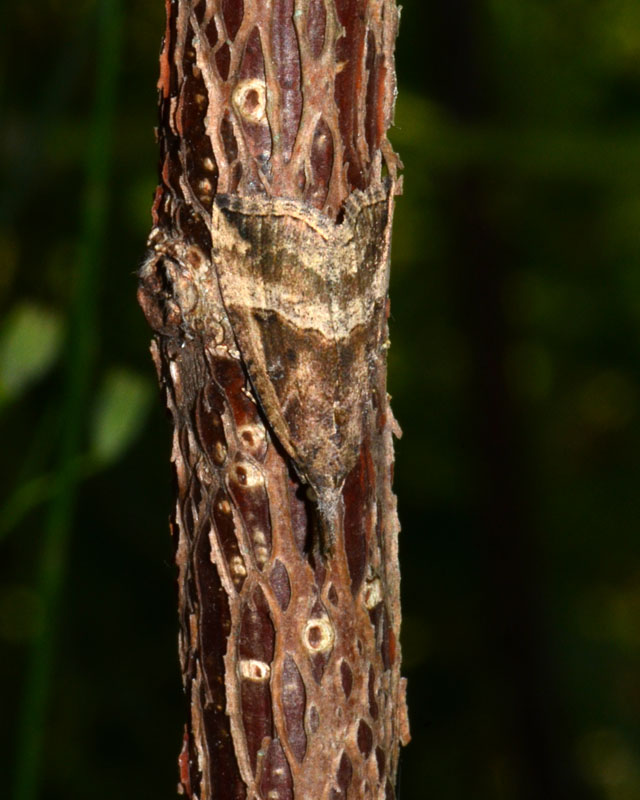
(275, 162)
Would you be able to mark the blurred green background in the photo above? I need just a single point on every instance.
(515, 375)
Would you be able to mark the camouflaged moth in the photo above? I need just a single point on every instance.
(306, 299)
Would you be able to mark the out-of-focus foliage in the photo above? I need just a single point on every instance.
(121, 406)
(29, 344)
(514, 370)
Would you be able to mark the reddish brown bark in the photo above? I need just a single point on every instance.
(289, 647)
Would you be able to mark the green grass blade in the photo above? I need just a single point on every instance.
(80, 349)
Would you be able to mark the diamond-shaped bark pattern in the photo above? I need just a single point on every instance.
(294, 684)
(289, 654)
(280, 584)
(312, 122)
(293, 704)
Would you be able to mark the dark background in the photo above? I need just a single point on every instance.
(514, 370)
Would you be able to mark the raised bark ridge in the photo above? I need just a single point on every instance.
(288, 641)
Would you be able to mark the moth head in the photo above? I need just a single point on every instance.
(155, 294)
(169, 284)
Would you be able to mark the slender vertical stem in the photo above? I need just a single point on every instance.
(80, 351)
(266, 285)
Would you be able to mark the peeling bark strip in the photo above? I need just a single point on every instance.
(266, 285)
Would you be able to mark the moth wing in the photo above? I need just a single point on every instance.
(306, 299)
(361, 305)
(272, 260)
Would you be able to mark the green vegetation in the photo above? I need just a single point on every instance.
(514, 370)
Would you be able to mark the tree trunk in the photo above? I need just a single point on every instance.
(266, 285)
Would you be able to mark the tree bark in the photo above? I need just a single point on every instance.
(266, 285)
